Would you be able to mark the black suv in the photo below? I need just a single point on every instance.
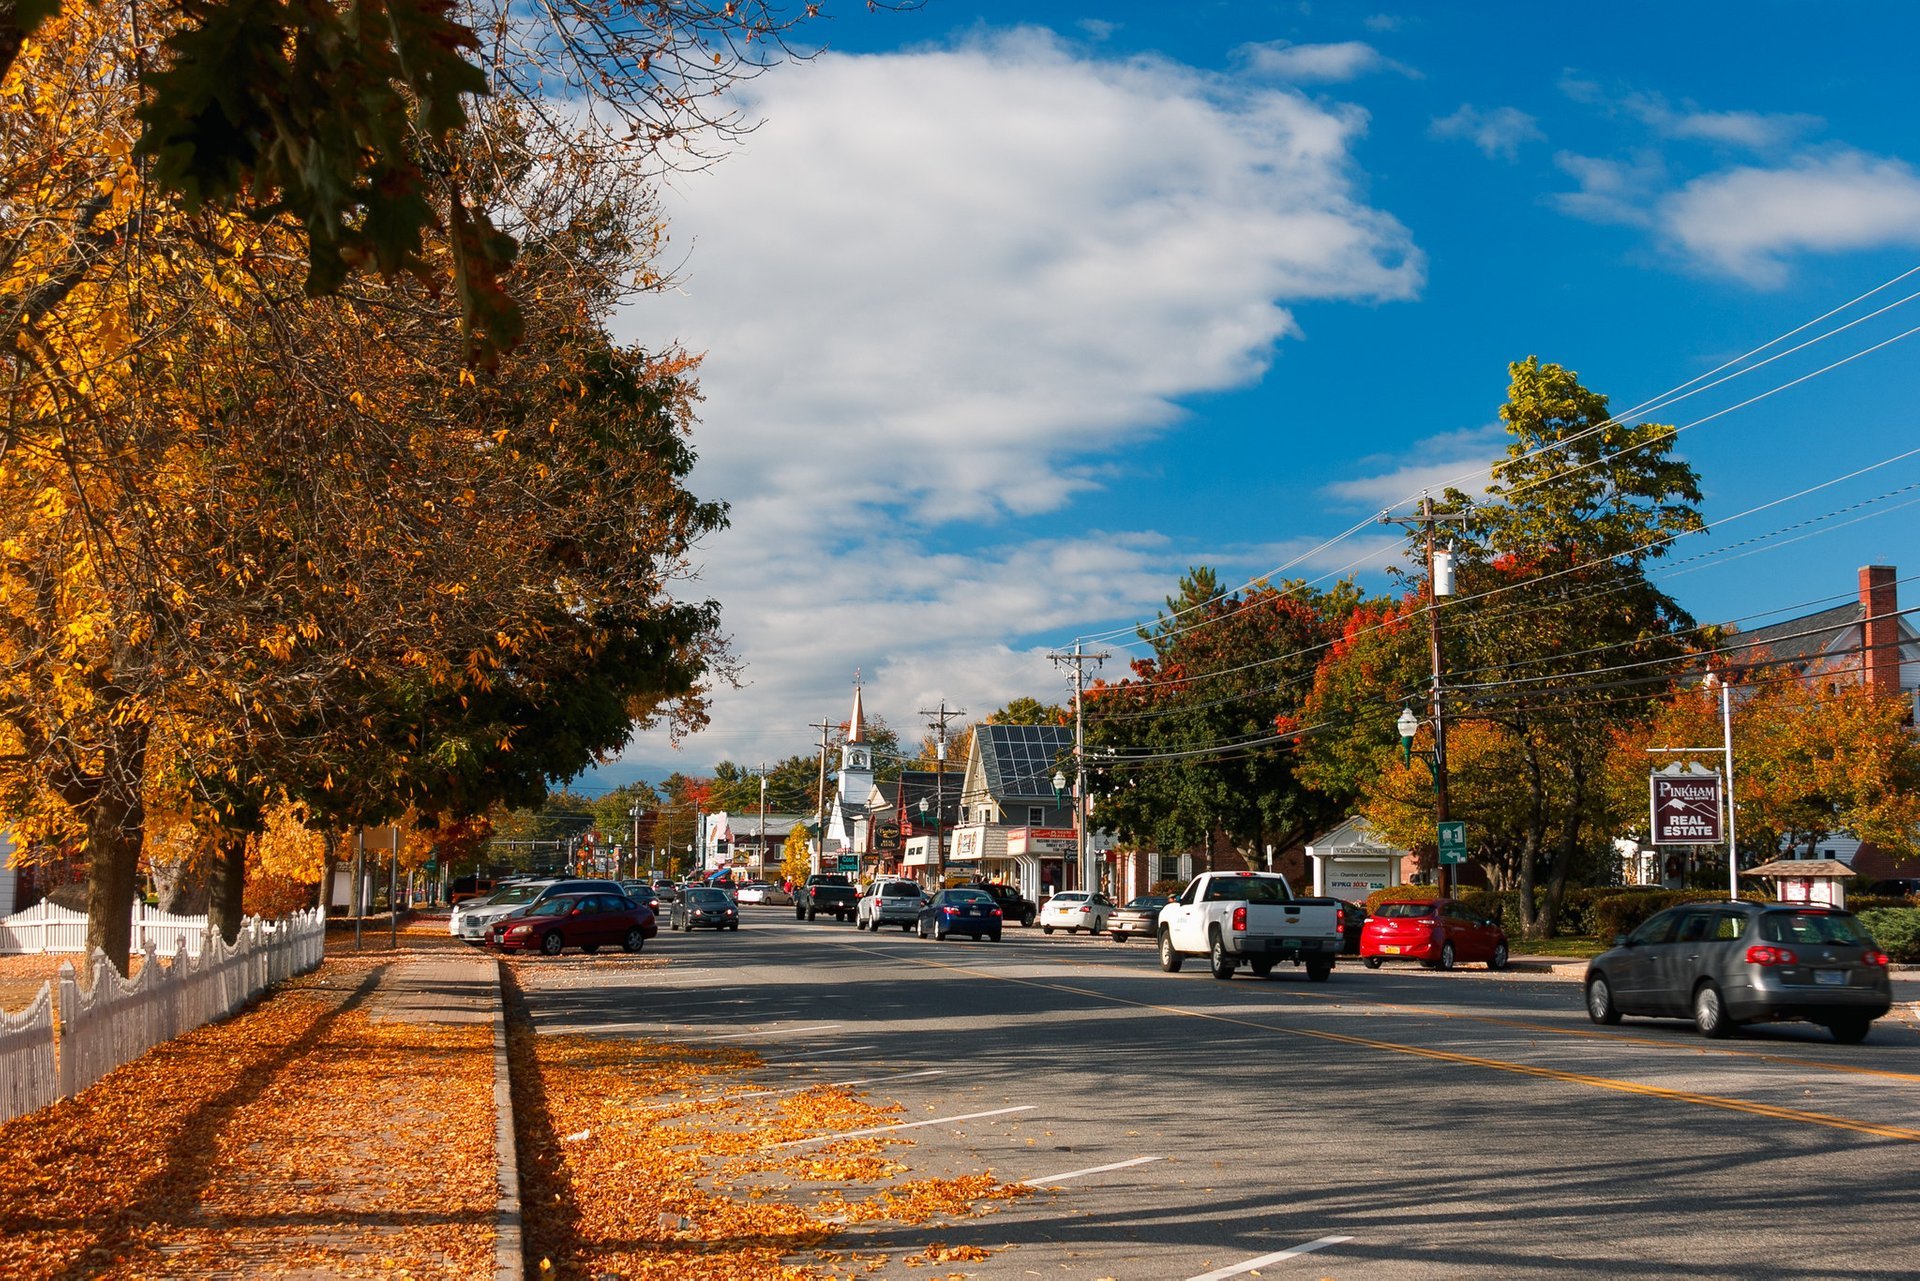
(1013, 905)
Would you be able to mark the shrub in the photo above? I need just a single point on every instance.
(1401, 894)
(1623, 912)
(1896, 930)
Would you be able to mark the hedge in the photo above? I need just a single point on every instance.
(1622, 913)
(1896, 930)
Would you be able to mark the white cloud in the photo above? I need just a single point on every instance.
(1611, 191)
(941, 291)
(1385, 22)
(1308, 63)
(1743, 222)
(1462, 460)
(1754, 130)
(1498, 132)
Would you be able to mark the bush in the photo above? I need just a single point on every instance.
(1623, 912)
(1896, 930)
(1401, 894)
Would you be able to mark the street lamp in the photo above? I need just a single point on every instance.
(1408, 725)
(939, 862)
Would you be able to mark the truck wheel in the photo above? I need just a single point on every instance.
(1170, 960)
(1218, 958)
(1261, 968)
(1319, 971)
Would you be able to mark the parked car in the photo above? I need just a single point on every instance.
(889, 902)
(1897, 887)
(1076, 910)
(1438, 933)
(586, 921)
(1724, 964)
(1138, 916)
(701, 907)
(965, 909)
(1014, 906)
(470, 917)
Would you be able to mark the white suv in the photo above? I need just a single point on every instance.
(889, 903)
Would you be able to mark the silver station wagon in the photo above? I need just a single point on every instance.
(1724, 964)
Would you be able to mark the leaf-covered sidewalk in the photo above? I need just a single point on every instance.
(306, 1137)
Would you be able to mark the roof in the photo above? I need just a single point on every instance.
(915, 784)
(1782, 868)
(1019, 761)
(1802, 639)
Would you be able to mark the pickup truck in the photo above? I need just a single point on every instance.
(827, 892)
(1230, 917)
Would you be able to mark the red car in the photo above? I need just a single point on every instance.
(1436, 933)
(586, 921)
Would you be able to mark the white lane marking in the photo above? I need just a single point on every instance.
(1092, 1169)
(814, 1054)
(905, 1125)
(1234, 1270)
(776, 1031)
(832, 1085)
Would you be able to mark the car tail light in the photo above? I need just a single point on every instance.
(1340, 918)
(948, 911)
(1760, 954)
(1240, 919)
(1879, 959)
(996, 911)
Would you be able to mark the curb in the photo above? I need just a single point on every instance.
(509, 1248)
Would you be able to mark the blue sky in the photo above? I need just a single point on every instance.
(1015, 312)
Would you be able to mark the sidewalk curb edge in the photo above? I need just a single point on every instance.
(509, 1250)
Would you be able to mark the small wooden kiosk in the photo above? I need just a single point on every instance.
(1821, 881)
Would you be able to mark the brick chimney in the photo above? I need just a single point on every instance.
(1879, 629)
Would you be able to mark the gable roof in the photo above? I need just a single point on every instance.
(1018, 761)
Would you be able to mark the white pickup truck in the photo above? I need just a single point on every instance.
(1230, 917)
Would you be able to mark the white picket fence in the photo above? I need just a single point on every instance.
(47, 928)
(113, 1021)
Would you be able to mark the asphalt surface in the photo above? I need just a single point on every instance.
(1392, 1123)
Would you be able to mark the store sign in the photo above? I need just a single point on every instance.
(1685, 809)
(1041, 840)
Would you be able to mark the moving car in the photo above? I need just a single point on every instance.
(586, 921)
(1138, 916)
(1250, 918)
(1724, 964)
(830, 893)
(643, 893)
(1076, 910)
(703, 907)
(1437, 933)
(889, 903)
(967, 909)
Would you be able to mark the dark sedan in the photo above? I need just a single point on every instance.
(586, 921)
(966, 910)
(1724, 964)
(701, 907)
(1138, 916)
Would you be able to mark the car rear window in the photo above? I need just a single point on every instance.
(968, 896)
(1405, 911)
(1812, 927)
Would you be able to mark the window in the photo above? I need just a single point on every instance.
(1657, 930)
(1728, 926)
(1036, 815)
(1693, 927)
(1169, 867)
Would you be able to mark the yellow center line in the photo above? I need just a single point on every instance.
(1771, 1111)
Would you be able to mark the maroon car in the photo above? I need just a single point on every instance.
(1436, 933)
(586, 921)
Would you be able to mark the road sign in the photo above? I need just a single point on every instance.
(1453, 842)
(1686, 809)
(431, 867)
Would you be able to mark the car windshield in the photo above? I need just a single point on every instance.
(1812, 927)
(515, 894)
(899, 891)
(1071, 896)
(831, 880)
(1249, 889)
(708, 898)
(968, 896)
(1145, 902)
(1409, 911)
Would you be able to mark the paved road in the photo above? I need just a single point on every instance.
(1393, 1123)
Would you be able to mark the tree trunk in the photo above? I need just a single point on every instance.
(1535, 839)
(116, 822)
(229, 883)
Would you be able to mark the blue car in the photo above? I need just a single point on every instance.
(967, 910)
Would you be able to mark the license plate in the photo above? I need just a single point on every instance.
(1289, 942)
(1830, 978)
(1392, 948)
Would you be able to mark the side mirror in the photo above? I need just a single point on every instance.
(1620, 940)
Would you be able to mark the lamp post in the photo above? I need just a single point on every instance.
(940, 879)
(1715, 680)
(1080, 869)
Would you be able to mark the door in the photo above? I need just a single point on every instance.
(1679, 964)
(1632, 971)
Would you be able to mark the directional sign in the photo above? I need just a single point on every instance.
(1453, 842)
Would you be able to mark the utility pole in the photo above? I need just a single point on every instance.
(760, 833)
(939, 727)
(820, 843)
(1089, 880)
(1437, 561)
